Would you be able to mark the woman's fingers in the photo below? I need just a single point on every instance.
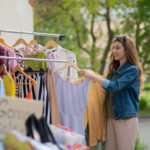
(82, 72)
(87, 73)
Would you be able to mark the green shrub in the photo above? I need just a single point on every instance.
(143, 103)
(147, 87)
(139, 145)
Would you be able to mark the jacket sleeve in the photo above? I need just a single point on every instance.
(124, 81)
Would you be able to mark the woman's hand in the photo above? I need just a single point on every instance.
(88, 73)
(91, 74)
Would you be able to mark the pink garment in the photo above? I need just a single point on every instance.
(24, 49)
(10, 53)
(12, 63)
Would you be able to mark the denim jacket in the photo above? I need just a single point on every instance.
(123, 85)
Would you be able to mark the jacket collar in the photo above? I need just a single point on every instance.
(123, 67)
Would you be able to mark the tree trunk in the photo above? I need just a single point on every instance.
(93, 50)
(93, 60)
(137, 35)
(110, 37)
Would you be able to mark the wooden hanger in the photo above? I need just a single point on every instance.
(21, 83)
(33, 43)
(3, 69)
(2, 41)
(18, 68)
(71, 64)
(73, 79)
(22, 41)
(51, 44)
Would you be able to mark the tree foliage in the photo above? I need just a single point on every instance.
(137, 24)
(90, 26)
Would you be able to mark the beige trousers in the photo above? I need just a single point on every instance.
(121, 134)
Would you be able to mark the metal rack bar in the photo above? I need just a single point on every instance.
(60, 36)
(35, 59)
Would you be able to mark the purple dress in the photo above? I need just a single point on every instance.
(72, 100)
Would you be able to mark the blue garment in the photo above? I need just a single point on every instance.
(1, 145)
(72, 99)
(2, 89)
(123, 84)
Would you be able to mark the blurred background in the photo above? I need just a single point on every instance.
(89, 27)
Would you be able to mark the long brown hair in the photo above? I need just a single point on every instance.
(132, 57)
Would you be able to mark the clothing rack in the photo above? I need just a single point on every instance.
(60, 36)
(35, 59)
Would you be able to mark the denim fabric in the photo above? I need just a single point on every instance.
(123, 84)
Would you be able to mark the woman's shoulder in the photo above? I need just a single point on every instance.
(128, 68)
(132, 69)
(132, 66)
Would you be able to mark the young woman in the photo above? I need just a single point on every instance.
(122, 86)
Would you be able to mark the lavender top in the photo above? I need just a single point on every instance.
(72, 100)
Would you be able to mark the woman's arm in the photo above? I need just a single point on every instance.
(122, 82)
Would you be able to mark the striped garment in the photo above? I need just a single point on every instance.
(38, 91)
